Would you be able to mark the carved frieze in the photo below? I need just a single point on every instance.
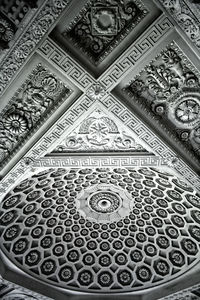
(103, 26)
(169, 86)
(99, 133)
(30, 105)
(32, 34)
(7, 32)
(12, 15)
(183, 14)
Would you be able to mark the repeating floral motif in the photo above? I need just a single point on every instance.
(104, 25)
(98, 133)
(171, 90)
(186, 18)
(68, 216)
(33, 33)
(6, 33)
(41, 92)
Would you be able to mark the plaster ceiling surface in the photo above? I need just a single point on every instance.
(99, 149)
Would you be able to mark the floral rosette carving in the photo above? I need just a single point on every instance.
(30, 104)
(6, 31)
(99, 133)
(169, 86)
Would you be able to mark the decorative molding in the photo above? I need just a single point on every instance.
(98, 133)
(170, 87)
(103, 26)
(185, 294)
(11, 291)
(185, 17)
(78, 75)
(145, 134)
(25, 45)
(14, 17)
(100, 161)
(111, 104)
(7, 32)
(135, 52)
(38, 96)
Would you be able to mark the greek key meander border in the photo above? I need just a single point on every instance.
(135, 52)
(111, 77)
(145, 134)
(99, 161)
(66, 63)
(50, 7)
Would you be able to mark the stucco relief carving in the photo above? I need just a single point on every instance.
(185, 17)
(98, 133)
(104, 25)
(12, 15)
(39, 94)
(6, 33)
(171, 89)
(113, 229)
(33, 33)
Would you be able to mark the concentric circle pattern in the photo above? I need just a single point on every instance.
(59, 226)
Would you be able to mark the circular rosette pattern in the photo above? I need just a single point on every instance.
(15, 123)
(102, 230)
(185, 109)
(104, 203)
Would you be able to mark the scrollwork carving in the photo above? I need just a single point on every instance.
(187, 20)
(34, 31)
(6, 32)
(40, 93)
(169, 86)
(103, 26)
(98, 133)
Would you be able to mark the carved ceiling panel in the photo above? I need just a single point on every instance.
(169, 86)
(98, 133)
(106, 93)
(40, 94)
(102, 230)
(103, 29)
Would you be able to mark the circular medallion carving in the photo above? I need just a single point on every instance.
(114, 230)
(104, 202)
(187, 111)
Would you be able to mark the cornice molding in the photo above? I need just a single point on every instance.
(45, 17)
(183, 14)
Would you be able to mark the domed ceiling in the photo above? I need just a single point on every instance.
(99, 149)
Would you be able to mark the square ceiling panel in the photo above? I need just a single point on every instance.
(102, 29)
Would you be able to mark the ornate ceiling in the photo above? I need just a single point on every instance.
(99, 149)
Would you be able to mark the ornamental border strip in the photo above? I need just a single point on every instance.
(99, 161)
(176, 10)
(56, 55)
(118, 109)
(135, 52)
(46, 16)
